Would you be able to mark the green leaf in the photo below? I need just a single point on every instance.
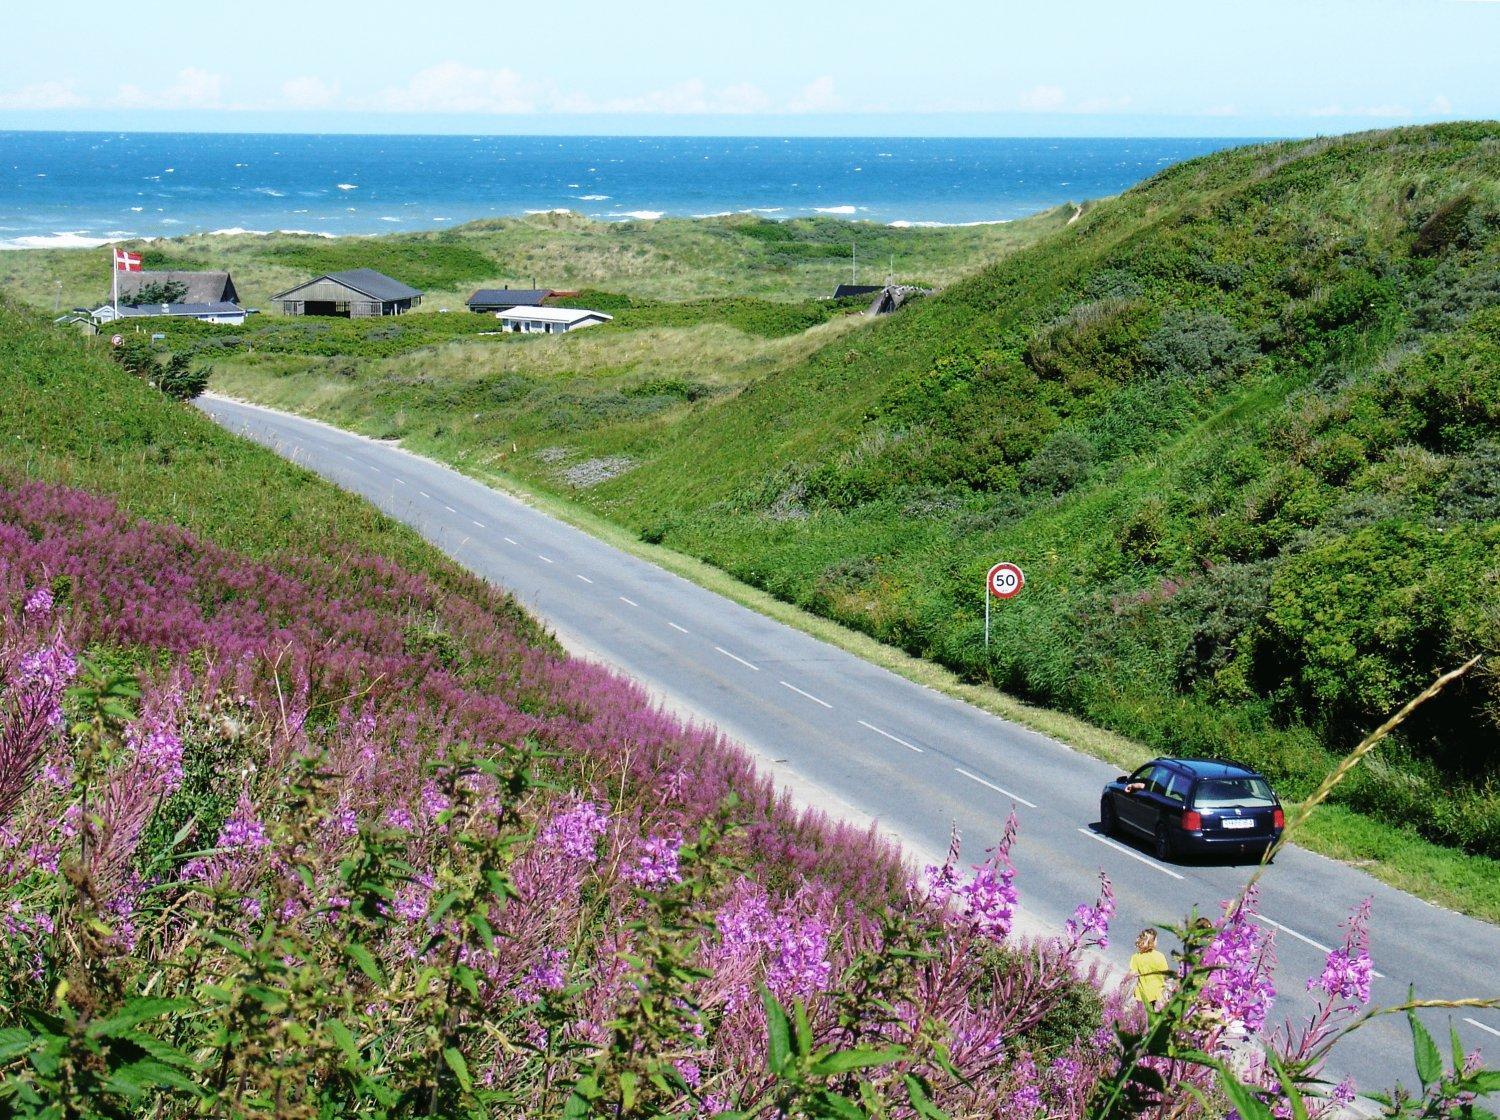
(1485, 1081)
(585, 1089)
(134, 1012)
(1246, 1103)
(845, 1060)
(778, 1032)
(921, 1104)
(366, 962)
(1429, 1064)
(482, 927)
(148, 1076)
(14, 1041)
(459, 1067)
(825, 1103)
(628, 1084)
(344, 1037)
(803, 1038)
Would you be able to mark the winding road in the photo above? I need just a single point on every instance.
(917, 761)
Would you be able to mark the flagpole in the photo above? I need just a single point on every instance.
(114, 281)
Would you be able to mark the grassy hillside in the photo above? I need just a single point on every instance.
(1238, 425)
(666, 259)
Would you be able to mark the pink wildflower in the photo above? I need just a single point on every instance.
(657, 865)
(575, 832)
(1348, 970)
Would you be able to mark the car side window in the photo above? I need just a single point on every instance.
(1143, 775)
(1176, 789)
(1157, 782)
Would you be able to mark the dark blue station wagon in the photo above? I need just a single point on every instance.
(1194, 805)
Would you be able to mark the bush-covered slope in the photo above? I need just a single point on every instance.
(1240, 426)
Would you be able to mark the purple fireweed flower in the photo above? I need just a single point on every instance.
(243, 831)
(576, 831)
(1026, 1096)
(549, 974)
(1089, 925)
(657, 864)
(160, 751)
(1348, 970)
(800, 965)
(39, 602)
(400, 818)
(1239, 990)
(412, 901)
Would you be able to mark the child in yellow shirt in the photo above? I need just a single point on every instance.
(1149, 968)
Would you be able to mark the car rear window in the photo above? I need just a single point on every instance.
(1223, 793)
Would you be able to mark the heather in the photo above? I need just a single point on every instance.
(315, 835)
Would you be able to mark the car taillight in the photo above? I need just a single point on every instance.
(1192, 820)
(1278, 819)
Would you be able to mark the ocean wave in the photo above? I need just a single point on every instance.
(348, 186)
(638, 215)
(388, 218)
(71, 239)
(835, 209)
(903, 224)
(271, 191)
(716, 214)
(237, 231)
(592, 197)
(554, 210)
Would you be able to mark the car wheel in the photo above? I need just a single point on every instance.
(1108, 821)
(1163, 845)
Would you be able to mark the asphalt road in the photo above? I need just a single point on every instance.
(918, 761)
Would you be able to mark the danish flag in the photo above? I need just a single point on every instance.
(127, 262)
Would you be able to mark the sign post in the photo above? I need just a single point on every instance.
(1004, 581)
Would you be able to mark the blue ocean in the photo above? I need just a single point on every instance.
(74, 188)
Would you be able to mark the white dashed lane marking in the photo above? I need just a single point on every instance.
(737, 657)
(892, 738)
(993, 786)
(583, 577)
(674, 626)
(510, 540)
(631, 602)
(547, 559)
(478, 524)
(809, 695)
(1290, 932)
(1123, 850)
(1481, 1026)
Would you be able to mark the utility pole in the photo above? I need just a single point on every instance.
(854, 262)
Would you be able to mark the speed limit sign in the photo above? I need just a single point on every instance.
(1005, 581)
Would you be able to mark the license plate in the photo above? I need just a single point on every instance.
(1239, 822)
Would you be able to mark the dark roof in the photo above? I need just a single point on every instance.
(509, 297)
(844, 291)
(366, 281)
(219, 307)
(202, 287)
(1212, 767)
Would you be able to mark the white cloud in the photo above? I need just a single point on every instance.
(1043, 99)
(1440, 104)
(43, 95)
(818, 96)
(452, 87)
(308, 93)
(691, 96)
(194, 88)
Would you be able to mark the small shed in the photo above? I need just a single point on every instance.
(190, 287)
(549, 320)
(358, 293)
(487, 301)
(229, 314)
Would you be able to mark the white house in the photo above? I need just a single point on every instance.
(548, 320)
(222, 312)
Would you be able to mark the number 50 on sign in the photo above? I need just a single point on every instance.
(1004, 581)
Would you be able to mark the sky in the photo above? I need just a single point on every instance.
(860, 67)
